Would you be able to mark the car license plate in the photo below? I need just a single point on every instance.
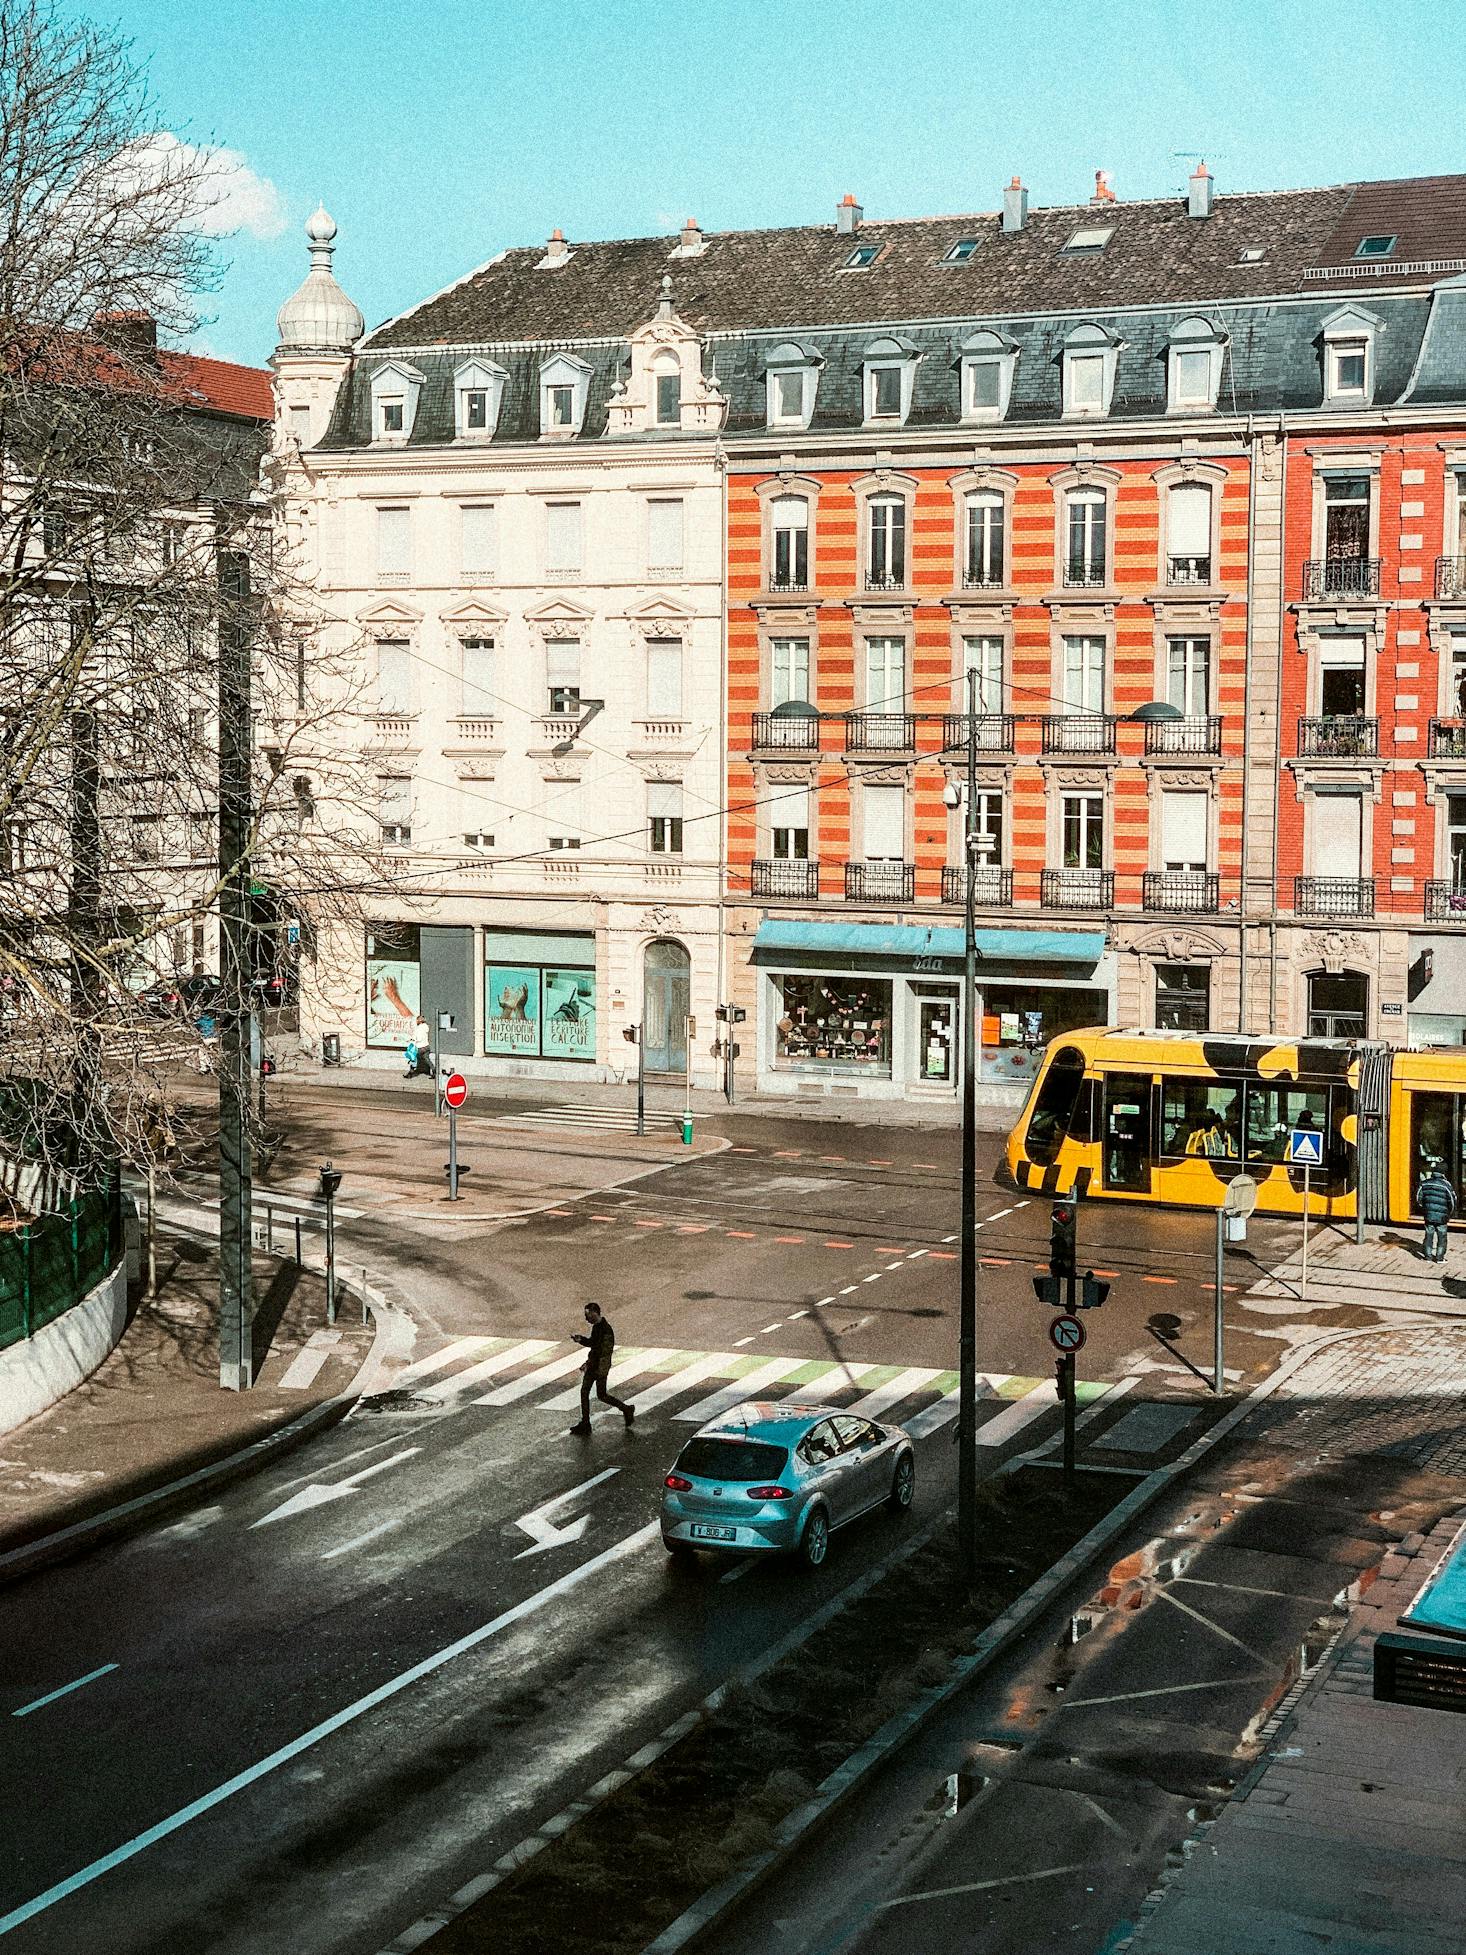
(701, 1533)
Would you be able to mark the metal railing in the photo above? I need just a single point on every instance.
(1450, 576)
(1200, 735)
(1333, 895)
(887, 583)
(1341, 577)
(1445, 902)
(983, 580)
(1188, 570)
(880, 732)
(788, 583)
(880, 882)
(1079, 733)
(791, 877)
(1077, 889)
(989, 885)
(994, 732)
(1339, 736)
(1193, 890)
(1446, 740)
(53, 1262)
(1084, 576)
(781, 733)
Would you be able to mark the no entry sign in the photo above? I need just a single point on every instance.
(455, 1089)
(1066, 1333)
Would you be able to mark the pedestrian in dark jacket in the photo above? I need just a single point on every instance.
(1436, 1200)
(600, 1345)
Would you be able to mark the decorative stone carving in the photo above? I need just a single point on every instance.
(1179, 946)
(1335, 949)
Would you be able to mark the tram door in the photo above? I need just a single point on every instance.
(1127, 1144)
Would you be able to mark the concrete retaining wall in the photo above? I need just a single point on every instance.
(46, 1367)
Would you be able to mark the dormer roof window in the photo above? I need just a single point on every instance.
(395, 389)
(1375, 247)
(861, 258)
(478, 393)
(564, 384)
(986, 362)
(1348, 339)
(1089, 237)
(888, 378)
(791, 377)
(1194, 367)
(1091, 354)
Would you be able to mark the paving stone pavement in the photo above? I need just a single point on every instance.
(1399, 1392)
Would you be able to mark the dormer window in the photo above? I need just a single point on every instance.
(1348, 358)
(861, 258)
(987, 363)
(1375, 247)
(1090, 357)
(1089, 237)
(562, 407)
(885, 393)
(394, 390)
(792, 375)
(890, 373)
(1195, 362)
(392, 412)
(564, 383)
(1347, 362)
(478, 390)
(668, 378)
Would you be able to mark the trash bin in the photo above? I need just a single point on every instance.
(330, 1048)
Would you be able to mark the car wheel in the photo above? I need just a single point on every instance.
(814, 1542)
(903, 1486)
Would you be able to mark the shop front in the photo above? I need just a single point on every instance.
(875, 1010)
(539, 995)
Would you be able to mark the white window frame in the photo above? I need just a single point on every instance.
(563, 371)
(485, 568)
(665, 660)
(477, 377)
(790, 362)
(666, 366)
(1194, 339)
(1089, 343)
(665, 565)
(984, 653)
(394, 385)
(793, 581)
(987, 350)
(471, 692)
(394, 570)
(1196, 799)
(890, 580)
(665, 817)
(1092, 815)
(1349, 332)
(986, 500)
(790, 669)
(1084, 656)
(1188, 490)
(568, 572)
(885, 356)
(789, 799)
(1181, 674)
(564, 674)
(890, 797)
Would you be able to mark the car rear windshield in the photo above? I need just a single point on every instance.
(731, 1459)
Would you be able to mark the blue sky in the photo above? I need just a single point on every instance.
(439, 133)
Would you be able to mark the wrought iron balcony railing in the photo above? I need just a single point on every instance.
(880, 732)
(1339, 736)
(1188, 570)
(880, 882)
(1079, 733)
(890, 581)
(1450, 576)
(1341, 577)
(1201, 735)
(1077, 889)
(989, 885)
(975, 578)
(994, 732)
(1333, 895)
(794, 734)
(790, 877)
(1447, 740)
(777, 583)
(1193, 890)
(1084, 576)
(1445, 902)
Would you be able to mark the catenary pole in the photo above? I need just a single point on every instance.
(236, 1280)
(967, 1333)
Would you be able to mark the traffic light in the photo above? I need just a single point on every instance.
(1063, 1220)
(730, 1014)
(272, 990)
(267, 1068)
(628, 1032)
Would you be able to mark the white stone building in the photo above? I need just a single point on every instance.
(523, 537)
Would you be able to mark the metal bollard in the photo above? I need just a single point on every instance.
(270, 1227)
(297, 1243)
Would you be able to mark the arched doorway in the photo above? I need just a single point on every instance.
(666, 992)
(1338, 1005)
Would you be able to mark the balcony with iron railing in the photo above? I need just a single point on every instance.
(1446, 740)
(1077, 889)
(1445, 902)
(1079, 733)
(883, 733)
(1193, 891)
(880, 882)
(1333, 895)
(994, 732)
(975, 578)
(1341, 577)
(787, 877)
(990, 885)
(1188, 571)
(885, 581)
(1338, 736)
(1082, 576)
(1450, 576)
(1199, 735)
(787, 733)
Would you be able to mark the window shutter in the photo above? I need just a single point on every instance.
(1189, 520)
(478, 675)
(789, 807)
(1338, 835)
(479, 536)
(664, 800)
(563, 546)
(394, 676)
(885, 824)
(562, 661)
(790, 512)
(394, 798)
(1183, 830)
(664, 535)
(394, 543)
(664, 679)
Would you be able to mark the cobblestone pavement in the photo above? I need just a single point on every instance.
(1395, 1392)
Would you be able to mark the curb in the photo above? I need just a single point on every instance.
(81, 1536)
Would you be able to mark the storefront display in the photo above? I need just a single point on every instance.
(1018, 1020)
(834, 1024)
(539, 995)
(393, 984)
(512, 1010)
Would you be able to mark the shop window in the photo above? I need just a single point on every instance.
(1183, 997)
(393, 988)
(539, 996)
(1018, 1022)
(1202, 1119)
(835, 1025)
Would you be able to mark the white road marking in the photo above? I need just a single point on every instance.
(823, 1301)
(874, 1277)
(834, 1378)
(741, 1342)
(463, 1381)
(982, 1886)
(382, 1527)
(532, 1380)
(1022, 1412)
(997, 1216)
(740, 1389)
(299, 1479)
(302, 1371)
(451, 1354)
(795, 1315)
(716, 1364)
(319, 1493)
(950, 1404)
(629, 1367)
(914, 1254)
(544, 1532)
(847, 1289)
(776, 1325)
(735, 1574)
(65, 1690)
(176, 1821)
(892, 1392)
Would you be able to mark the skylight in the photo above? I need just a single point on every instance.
(1090, 237)
(1253, 255)
(861, 258)
(960, 252)
(1377, 247)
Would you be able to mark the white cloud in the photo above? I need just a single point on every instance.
(225, 194)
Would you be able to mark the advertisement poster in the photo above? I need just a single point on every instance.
(512, 1010)
(569, 1026)
(393, 998)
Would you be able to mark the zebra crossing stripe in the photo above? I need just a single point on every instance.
(712, 1364)
(824, 1378)
(532, 1380)
(748, 1386)
(631, 1366)
(904, 1385)
(989, 1385)
(462, 1381)
(451, 1354)
(1020, 1413)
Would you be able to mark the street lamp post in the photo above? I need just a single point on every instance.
(966, 797)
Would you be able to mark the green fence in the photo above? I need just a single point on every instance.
(53, 1263)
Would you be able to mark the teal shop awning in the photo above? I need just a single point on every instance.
(910, 941)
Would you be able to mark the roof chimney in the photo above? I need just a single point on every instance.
(1015, 206)
(557, 251)
(1103, 194)
(691, 235)
(133, 331)
(1199, 192)
(848, 215)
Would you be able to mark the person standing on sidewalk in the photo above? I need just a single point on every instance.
(600, 1344)
(1436, 1200)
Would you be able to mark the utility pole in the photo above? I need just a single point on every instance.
(967, 1333)
(236, 1275)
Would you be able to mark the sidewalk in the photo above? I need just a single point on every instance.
(153, 1413)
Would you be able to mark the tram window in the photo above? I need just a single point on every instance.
(1272, 1111)
(1198, 1118)
(1439, 1135)
(1053, 1110)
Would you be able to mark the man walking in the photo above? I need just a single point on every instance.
(600, 1345)
(1436, 1200)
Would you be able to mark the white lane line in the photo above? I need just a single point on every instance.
(776, 1325)
(949, 1238)
(64, 1691)
(795, 1315)
(914, 1255)
(629, 1367)
(532, 1380)
(361, 1540)
(715, 1364)
(1022, 1412)
(996, 1216)
(299, 1479)
(892, 1392)
(451, 1354)
(949, 1405)
(896, 1265)
(823, 1301)
(874, 1277)
(741, 1342)
(982, 1886)
(301, 1373)
(196, 1808)
(748, 1386)
(463, 1381)
(849, 1287)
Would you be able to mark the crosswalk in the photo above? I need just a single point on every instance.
(692, 1387)
(582, 1117)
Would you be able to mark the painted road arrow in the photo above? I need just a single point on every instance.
(320, 1493)
(544, 1532)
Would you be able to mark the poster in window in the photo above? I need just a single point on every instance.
(568, 1027)
(393, 999)
(512, 1010)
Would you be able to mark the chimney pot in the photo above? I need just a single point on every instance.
(1103, 194)
(691, 235)
(556, 250)
(1200, 190)
(1015, 206)
(848, 215)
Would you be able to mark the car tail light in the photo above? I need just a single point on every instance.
(770, 1493)
(678, 1485)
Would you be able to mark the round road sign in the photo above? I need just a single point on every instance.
(1066, 1333)
(1241, 1195)
(455, 1089)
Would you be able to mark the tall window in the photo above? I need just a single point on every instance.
(1184, 823)
(1345, 527)
(478, 677)
(1183, 999)
(1456, 678)
(789, 823)
(562, 406)
(564, 539)
(789, 670)
(664, 678)
(1084, 383)
(984, 563)
(1338, 835)
(562, 674)
(987, 819)
(1456, 843)
(1348, 368)
(1084, 532)
(1188, 534)
(664, 535)
(478, 536)
(884, 396)
(884, 823)
(394, 546)
(664, 816)
(1084, 675)
(394, 807)
(1456, 520)
(562, 814)
(983, 657)
(1188, 676)
(475, 408)
(984, 386)
(1083, 831)
(1341, 688)
(886, 543)
(394, 675)
(789, 528)
(787, 398)
(669, 398)
(885, 675)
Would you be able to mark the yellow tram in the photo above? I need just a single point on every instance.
(1172, 1116)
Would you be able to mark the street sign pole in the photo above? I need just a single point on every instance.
(1303, 1277)
(641, 1076)
(1066, 1386)
(452, 1153)
(1217, 1378)
(687, 1088)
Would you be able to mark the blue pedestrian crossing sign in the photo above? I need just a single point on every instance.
(1305, 1147)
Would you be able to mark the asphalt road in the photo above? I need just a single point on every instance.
(299, 1717)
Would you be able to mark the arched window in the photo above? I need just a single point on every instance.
(789, 538)
(984, 558)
